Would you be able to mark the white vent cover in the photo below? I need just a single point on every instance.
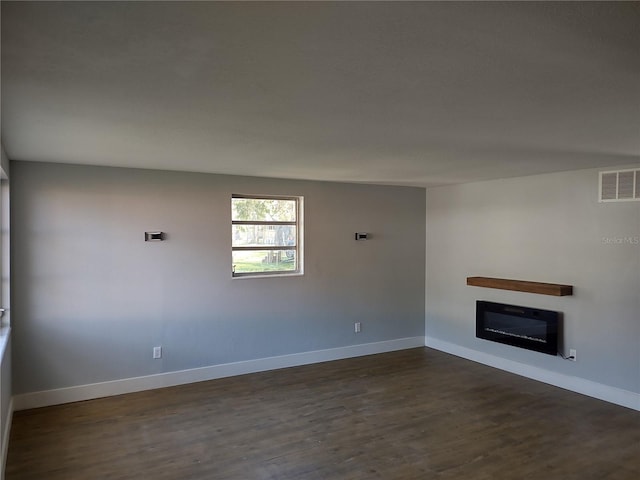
(620, 186)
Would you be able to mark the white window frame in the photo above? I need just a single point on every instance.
(635, 191)
(298, 248)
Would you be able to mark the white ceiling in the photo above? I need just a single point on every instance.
(395, 93)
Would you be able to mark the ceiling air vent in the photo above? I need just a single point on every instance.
(620, 186)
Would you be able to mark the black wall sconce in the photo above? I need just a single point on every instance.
(362, 236)
(153, 236)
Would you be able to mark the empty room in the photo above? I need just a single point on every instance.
(320, 240)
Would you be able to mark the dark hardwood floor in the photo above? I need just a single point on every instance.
(414, 414)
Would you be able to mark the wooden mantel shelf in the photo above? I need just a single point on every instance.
(521, 286)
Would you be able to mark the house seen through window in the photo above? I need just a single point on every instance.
(266, 234)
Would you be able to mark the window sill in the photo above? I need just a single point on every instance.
(274, 275)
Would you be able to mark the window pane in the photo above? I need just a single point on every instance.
(257, 235)
(255, 261)
(263, 209)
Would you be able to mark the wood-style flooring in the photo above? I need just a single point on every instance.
(413, 414)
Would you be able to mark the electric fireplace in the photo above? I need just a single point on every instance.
(524, 327)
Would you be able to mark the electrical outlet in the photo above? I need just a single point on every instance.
(573, 355)
(356, 327)
(157, 352)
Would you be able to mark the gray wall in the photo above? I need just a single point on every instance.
(91, 298)
(547, 228)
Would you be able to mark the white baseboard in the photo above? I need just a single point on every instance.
(169, 379)
(5, 439)
(615, 395)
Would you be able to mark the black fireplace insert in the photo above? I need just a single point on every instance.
(524, 327)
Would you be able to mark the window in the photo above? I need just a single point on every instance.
(620, 186)
(266, 233)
